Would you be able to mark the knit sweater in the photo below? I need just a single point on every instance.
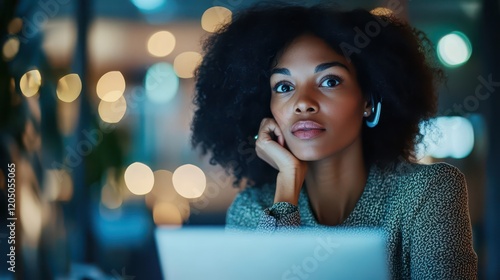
(423, 210)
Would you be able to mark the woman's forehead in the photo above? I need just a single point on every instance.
(309, 49)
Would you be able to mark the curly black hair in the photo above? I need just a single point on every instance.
(393, 62)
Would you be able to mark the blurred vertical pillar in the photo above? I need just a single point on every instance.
(78, 220)
(491, 58)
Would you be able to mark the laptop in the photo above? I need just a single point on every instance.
(214, 253)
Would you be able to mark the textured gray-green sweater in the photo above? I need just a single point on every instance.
(422, 208)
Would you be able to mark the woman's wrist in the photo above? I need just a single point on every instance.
(288, 185)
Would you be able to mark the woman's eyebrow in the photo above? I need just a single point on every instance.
(283, 71)
(319, 68)
(324, 66)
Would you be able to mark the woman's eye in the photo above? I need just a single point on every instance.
(331, 82)
(282, 87)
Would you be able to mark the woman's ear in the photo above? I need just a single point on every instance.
(367, 110)
(374, 107)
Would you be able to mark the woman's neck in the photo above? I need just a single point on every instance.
(335, 184)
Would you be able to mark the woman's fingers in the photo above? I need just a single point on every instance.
(279, 134)
(270, 131)
(270, 146)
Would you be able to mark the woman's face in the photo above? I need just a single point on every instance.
(316, 99)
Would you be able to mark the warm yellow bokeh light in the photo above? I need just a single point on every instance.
(10, 48)
(12, 85)
(163, 191)
(184, 208)
(67, 116)
(110, 197)
(381, 11)
(161, 44)
(69, 88)
(185, 64)
(15, 25)
(30, 83)
(111, 86)
(112, 112)
(31, 213)
(139, 178)
(165, 213)
(66, 190)
(189, 181)
(213, 18)
(58, 185)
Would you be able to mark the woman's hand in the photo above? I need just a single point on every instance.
(271, 148)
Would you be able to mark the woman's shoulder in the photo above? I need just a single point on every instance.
(417, 179)
(419, 169)
(435, 172)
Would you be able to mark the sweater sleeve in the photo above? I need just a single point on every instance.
(281, 215)
(253, 208)
(441, 238)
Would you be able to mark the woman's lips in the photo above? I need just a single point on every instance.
(307, 129)
(307, 134)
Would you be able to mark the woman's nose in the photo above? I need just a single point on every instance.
(305, 103)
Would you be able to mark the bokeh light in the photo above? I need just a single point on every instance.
(30, 137)
(163, 188)
(67, 116)
(58, 185)
(161, 82)
(215, 17)
(163, 191)
(15, 26)
(10, 48)
(165, 213)
(189, 181)
(31, 213)
(112, 112)
(161, 43)
(111, 86)
(185, 64)
(447, 137)
(148, 5)
(110, 197)
(381, 11)
(69, 88)
(30, 83)
(454, 49)
(139, 178)
(13, 87)
(183, 206)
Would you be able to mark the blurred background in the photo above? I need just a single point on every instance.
(95, 112)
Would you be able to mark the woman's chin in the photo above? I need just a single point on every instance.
(307, 156)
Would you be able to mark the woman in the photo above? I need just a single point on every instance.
(335, 100)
